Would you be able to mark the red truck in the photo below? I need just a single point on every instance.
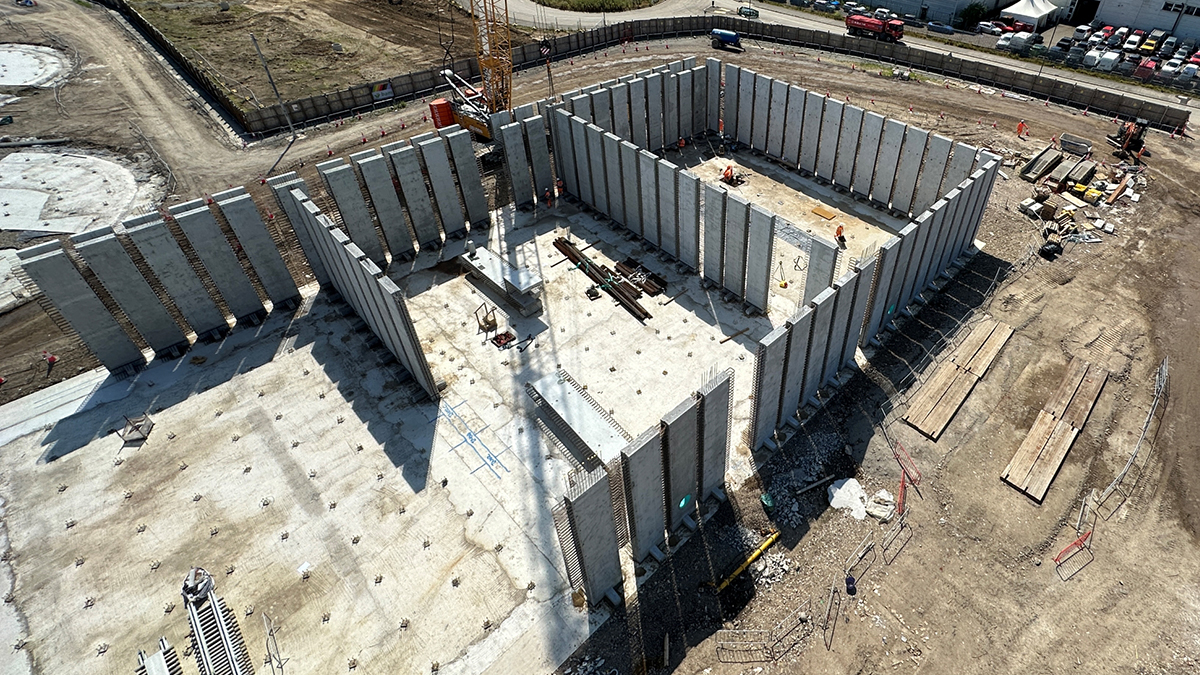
(860, 25)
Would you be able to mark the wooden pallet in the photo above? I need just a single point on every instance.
(1038, 459)
(938, 400)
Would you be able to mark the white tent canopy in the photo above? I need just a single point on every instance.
(1036, 12)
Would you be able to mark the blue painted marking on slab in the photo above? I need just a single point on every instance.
(470, 437)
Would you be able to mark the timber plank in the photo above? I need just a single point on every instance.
(979, 335)
(1047, 466)
(1026, 456)
(1076, 370)
(931, 392)
(978, 366)
(941, 414)
(1085, 397)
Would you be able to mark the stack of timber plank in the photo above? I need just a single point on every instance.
(1037, 461)
(931, 410)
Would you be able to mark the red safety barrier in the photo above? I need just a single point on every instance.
(906, 464)
(1073, 548)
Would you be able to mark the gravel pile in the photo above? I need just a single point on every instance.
(770, 568)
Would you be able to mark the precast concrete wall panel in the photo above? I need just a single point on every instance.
(843, 170)
(115, 269)
(648, 178)
(252, 234)
(732, 99)
(699, 93)
(944, 233)
(685, 92)
(830, 128)
(976, 194)
(818, 345)
(582, 107)
(437, 163)
(888, 159)
(281, 185)
(630, 186)
(800, 330)
(910, 168)
(810, 133)
(822, 263)
(344, 187)
(539, 156)
(988, 178)
(940, 213)
(768, 384)
(793, 126)
(210, 245)
(564, 149)
(602, 109)
(594, 530)
(858, 310)
(378, 180)
(959, 167)
(932, 170)
(642, 461)
(746, 81)
(583, 161)
(920, 257)
(416, 197)
(637, 114)
(880, 313)
(166, 260)
(760, 240)
(620, 104)
(654, 111)
(595, 143)
(761, 123)
(714, 233)
(868, 151)
(904, 259)
(671, 104)
(616, 185)
(689, 219)
(668, 203)
(737, 221)
(715, 400)
(681, 441)
(777, 119)
(74, 299)
(839, 325)
(713, 113)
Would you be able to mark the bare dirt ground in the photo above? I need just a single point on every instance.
(975, 590)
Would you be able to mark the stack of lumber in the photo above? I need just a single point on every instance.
(1041, 454)
(931, 410)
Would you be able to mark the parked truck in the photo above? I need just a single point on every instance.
(867, 26)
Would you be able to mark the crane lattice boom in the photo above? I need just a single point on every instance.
(493, 48)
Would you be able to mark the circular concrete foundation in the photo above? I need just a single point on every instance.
(31, 65)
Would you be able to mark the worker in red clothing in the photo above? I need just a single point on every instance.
(50, 360)
(1022, 129)
(840, 236)
(549, 197)
(727, 175)
(559, 185)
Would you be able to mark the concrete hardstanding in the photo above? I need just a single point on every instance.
(589, 506)
(909, 169)
(868, 151)
(768, 384)
(745, 126)
(713, 78)
(830, 128)
(760, 241)
(595, 144)
(166, 260)
(416, 197)
(602, 109)
(959, 167)
(858, 310)
(732, 99)
(202, 232)
(670, 110)
(686, 90)
(810, 135)
(121, 278)
(637, 114)
(760, 125)
(895, 301)
(583, 162)
(539, 155)
(281, 185)
(689, 219)
(681, 445)
(378, 179)
(630, 187)
(777, 119)
(818, 344)
(620, 105)
(715, 397)
(699, 94)
(616, 186)
(470, 180)
(74, 299)
(800, 333)
(644, 499)
(888, 159)
(843, 171)
(668, 205)
(737, 220)
(714, 233)
(648, 179)
(437, 164)
(343, 186)
(930, 182)
(654, 111)
(793, 127)
(839, 324)
(877, 311)
(517, 163)
(582, 107)
(252, 234)
(822, 259)
(564, 149)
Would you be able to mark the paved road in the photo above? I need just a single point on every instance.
(529, 13)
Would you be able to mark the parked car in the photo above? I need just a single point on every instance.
(1195, 58)
(1132, 43)
(989, 28)
(823, 6)
(939, 27)
(1075, 56)
(1151, 42)
(1109, 61)
(748, 12)
(1082, 32)
(1189, 44)
(1186, 73)
(1146, 69)
(1128, 64)
(1169, 46)
(1092, 58)
(1171, 68)
(1004, 41)
(1114, 41)
(1097, 39)
(1003, 26)
(1064, 43)
(1056, 53)
(1020, 42)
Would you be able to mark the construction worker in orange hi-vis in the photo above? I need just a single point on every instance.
(1022, 129)
(840, 237)
(727, 176)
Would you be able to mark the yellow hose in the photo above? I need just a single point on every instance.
(771, 539)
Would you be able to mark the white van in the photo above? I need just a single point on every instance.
(1019, 41)
(1109, 61)
(1082, 33)
(1092, 58)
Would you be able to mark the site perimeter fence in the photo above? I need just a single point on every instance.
(418, 84)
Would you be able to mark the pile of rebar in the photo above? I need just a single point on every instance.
(605, 279)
